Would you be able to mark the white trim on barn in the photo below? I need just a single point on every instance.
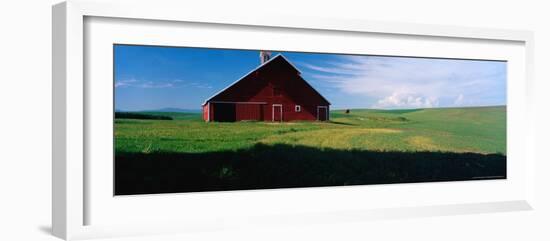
(252, 71)
(273, 112)
(326, 111)
(238, 102)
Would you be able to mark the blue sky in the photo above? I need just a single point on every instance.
(150, 77)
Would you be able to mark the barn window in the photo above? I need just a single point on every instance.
(297, 108)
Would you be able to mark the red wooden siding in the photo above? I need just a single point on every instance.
(250, 112)
(205, 114)
(253, 97)
(277, 112)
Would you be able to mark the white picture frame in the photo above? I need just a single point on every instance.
(72, 190)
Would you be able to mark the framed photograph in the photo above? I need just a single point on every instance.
(183, 124)
(161, 117)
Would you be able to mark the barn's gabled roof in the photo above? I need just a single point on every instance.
(259, 67)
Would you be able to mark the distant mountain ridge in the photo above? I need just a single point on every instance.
(168, 109)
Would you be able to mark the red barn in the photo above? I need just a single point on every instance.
(274, 91)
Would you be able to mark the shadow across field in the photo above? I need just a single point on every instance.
(342, 123)
(285, 166)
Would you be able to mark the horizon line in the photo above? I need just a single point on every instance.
(359, 108)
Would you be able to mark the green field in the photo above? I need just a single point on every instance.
(479, 130)
(362, 147)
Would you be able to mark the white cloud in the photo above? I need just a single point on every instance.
(142, 84)
(333, 70)
(151, 84)
(123, 83)
(177, 83)
(200, 85)
(459, 100)
(397, 100)
(396, 82)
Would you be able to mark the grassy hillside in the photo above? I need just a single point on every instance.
(479, 130)
(362, 147)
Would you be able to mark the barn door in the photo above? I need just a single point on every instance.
(225, 112)
(322, 113)
(277, 112)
